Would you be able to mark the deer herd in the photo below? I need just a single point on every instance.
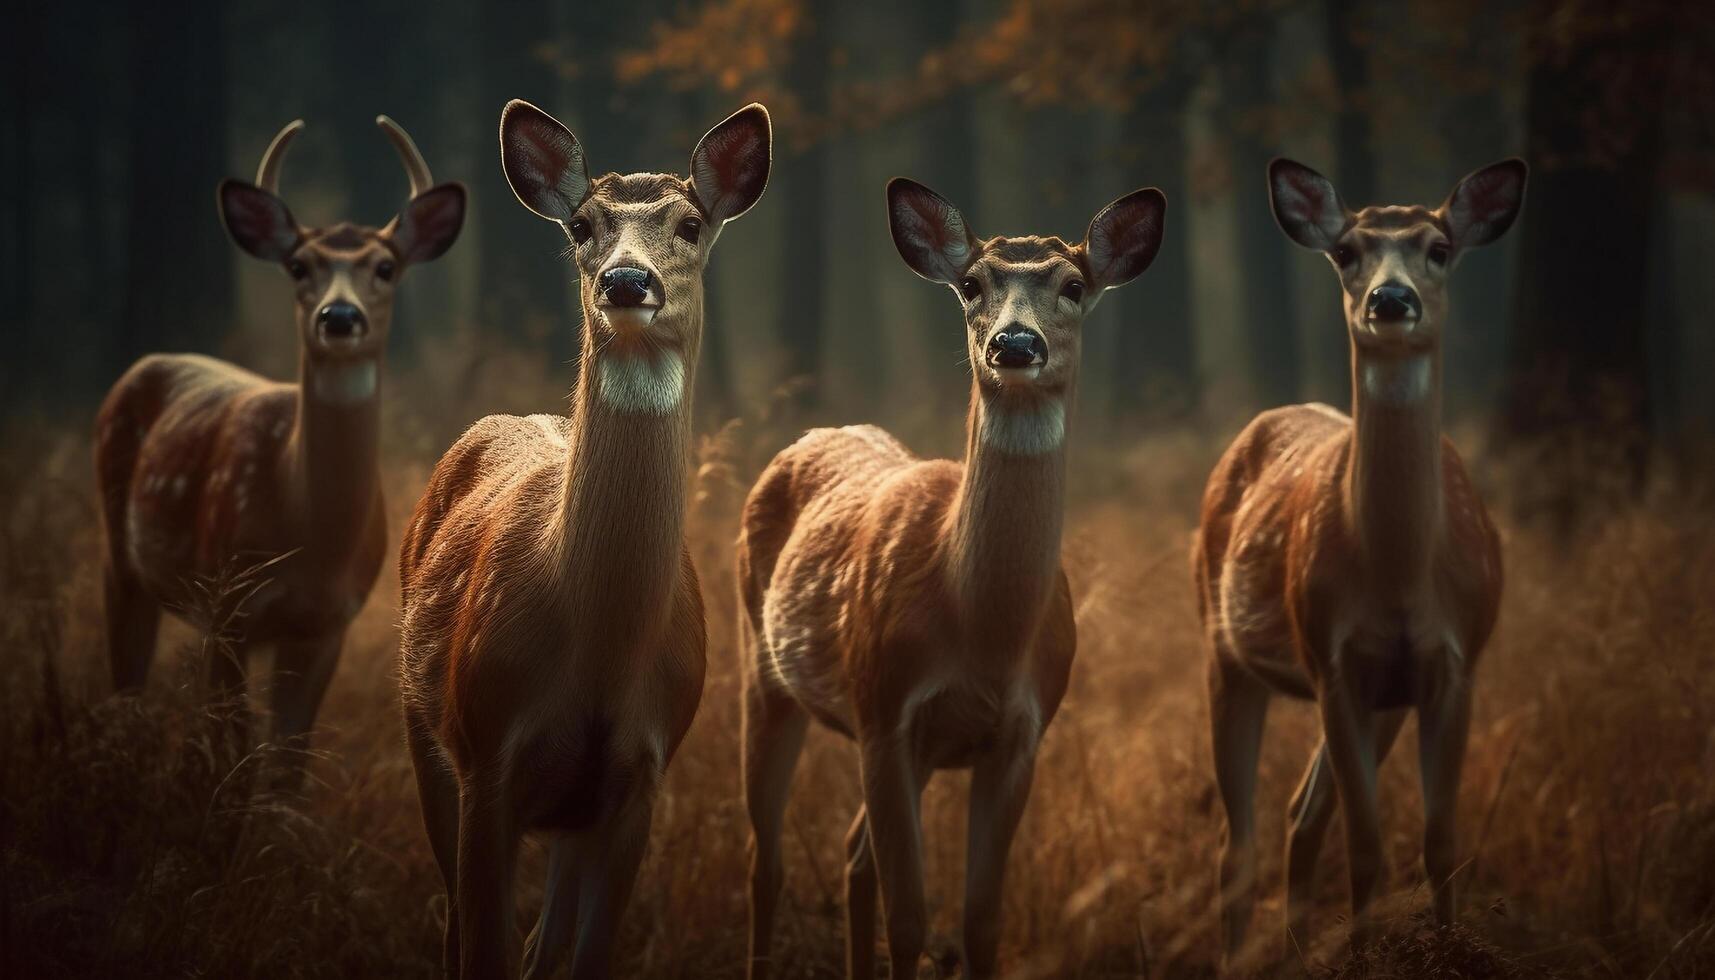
(552, 639)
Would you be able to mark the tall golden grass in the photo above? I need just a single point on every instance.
(137, 837)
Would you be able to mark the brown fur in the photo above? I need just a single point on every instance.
(920, 607)
(1348, 560)
(205, 470)
(552, 644)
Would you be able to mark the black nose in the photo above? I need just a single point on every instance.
(342, 320)
(1391, 302)
(624, 286)
(1017, 347)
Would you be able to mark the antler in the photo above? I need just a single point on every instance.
(415, 167)
(268, 174)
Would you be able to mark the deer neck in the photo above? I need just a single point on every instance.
(1393, 485)
(1003, 532)
(334, 452)
(621, 522)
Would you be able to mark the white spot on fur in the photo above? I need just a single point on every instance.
(345, 384)
(1029, 431)
(641, 383)
(179, 484)
(1391, 382)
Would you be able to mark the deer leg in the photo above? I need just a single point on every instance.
(860, 901)
(438, 792)
(606, 873)
(488, 852)
(551, 937)
(1238, 706)
(302, 669)
(891, 792)
(133, 622)
(1311, 808)
(1000, 787)
(1444, 723)
(1348, 736)
(774, 727)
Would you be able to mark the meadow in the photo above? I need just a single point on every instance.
(138, 839)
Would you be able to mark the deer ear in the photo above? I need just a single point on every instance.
(1483, 206)
(257, 220)
(1124, 237)
(430, 223)
(1305, 204)
(929, 232)
(729, 167)
(543, 161)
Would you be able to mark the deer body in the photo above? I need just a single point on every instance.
(1348, 560)
(205, 468)
(552, 649)
(920, 607)
(247, 465)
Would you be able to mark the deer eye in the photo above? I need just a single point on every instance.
(580, 229)
(297, 269)
(384, 270)
(1438, 253)
(1073, 290)
(689, 229)
(970, 289)
(1344, 256)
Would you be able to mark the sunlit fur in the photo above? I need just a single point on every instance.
(552, 642)
(1349, 560)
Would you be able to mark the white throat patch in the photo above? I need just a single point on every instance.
(348, 383)
(1401, 382)
(641, 383)
(1031, 431)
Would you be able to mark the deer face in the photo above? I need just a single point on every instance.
(640, 241)
(343, 276)
(1394, 262)
(1024, 299)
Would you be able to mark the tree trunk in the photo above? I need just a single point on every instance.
(805, 183)
(1155, 363)
(522, 275)
(1266, 302)
(177, 156)
(1577, 383)
(17, 205)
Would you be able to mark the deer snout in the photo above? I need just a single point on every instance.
(625, 286)
(341, 321)
(1017, 349)
(1393, 302)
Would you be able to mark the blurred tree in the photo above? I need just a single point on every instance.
(1600, 82)
(23, 49)
(177, 78)
(522, 277)
(1267, 306)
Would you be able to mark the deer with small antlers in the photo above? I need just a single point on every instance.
(553, 643)
(919, 606)
(1347, 559)
(202, 466)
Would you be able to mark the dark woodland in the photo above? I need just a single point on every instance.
(142, 836)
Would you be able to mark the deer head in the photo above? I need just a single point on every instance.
(344, 275)
(640, 241)
(1393, 262)
(1024, 299)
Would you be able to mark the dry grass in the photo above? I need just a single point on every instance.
(135, 837)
